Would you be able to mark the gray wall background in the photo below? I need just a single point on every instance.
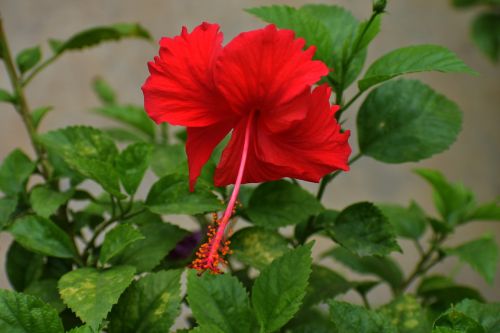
(474, 159)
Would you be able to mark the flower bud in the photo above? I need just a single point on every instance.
(379, 6)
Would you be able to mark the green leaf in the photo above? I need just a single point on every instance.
(132, 165)
(245, 194)
(280, 203)
(146, 254)
(353, 70)
(123, 135)
(340, 23)
(324, 221)
(5, 96)
(87, 151)
(407, 315)
(489, 211)
(303, 24)
(481, 254)
(38, 114)
(411, 118)
(149, 305)
(43, 236)
(23, 267)
(488, 315)
(45, 201)
(82, 329)
(131, 115)
(409, 222)
(55, 44)
(309, 320)
(94, 36)
(47, 291)
(439, 292)
(62, 170)
(104, 91)
(324, 284)
(181, 136)
(117, 240)
(349, 318)
(20, 313)
(485, 32)
(171, 195)
(14, 172)
(412, 59)
(258, 247)
(91, 293)
(454, 201)
(383, 267)
(278, 291)
(354, 52)
(364, 230)
(456, 322)
(169, 159)
(54, 268)
(365, 33)
(342, 28)
(7, 208)
(28, 58)
(205, 329)
(220, 301)
(145, 217)
(364, 287)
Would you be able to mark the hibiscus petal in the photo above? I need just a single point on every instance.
(312, 147)
(181, 89)
(227, 169)
(308, 150)
(256, 169)
(265, 69)
(200, 144)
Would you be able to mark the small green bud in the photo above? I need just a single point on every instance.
(379, 6)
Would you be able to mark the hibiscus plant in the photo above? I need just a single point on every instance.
(263, 114)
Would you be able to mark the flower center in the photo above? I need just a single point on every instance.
(211, 254)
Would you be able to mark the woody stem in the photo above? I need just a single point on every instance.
(21, 104)
(234, 195)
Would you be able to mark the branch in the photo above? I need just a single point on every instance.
(21, 104)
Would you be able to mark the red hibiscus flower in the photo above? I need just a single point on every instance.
(259, 87)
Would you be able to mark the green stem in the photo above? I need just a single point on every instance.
(365, 300)
(419, 247)
(427, 261)
(352, 100)
(101, 227)
(324, 182)
(39, 68)
(339, 99)
(328, 178)
(113, 206)
(310, 229)
(345, 66)
(120, 207)
(21, 104)
(164, 133)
